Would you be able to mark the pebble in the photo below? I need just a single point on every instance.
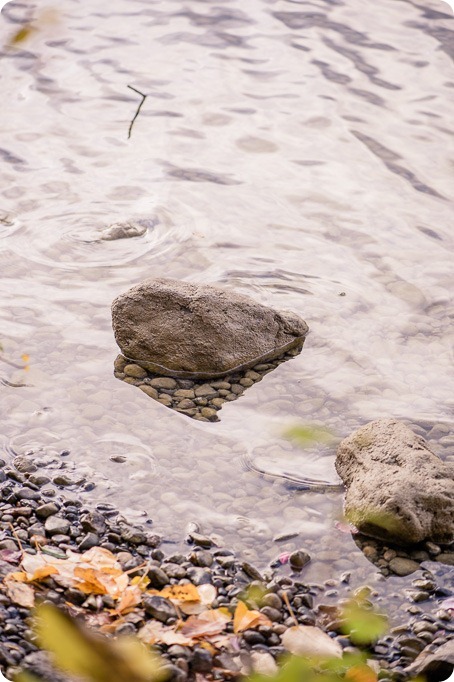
(299, 559)
(160, 608)
(163, 382)
(56, 525)
(401, 566)
(135, 371)
(46, 510)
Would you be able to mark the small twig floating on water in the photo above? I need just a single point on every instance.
(144, 97)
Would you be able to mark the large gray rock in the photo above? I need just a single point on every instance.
(397, 489)
(185, 329)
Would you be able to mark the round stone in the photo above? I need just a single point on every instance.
(163, 382)
(135, 371)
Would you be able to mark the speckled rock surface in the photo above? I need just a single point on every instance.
(397, 489)
(184, 329)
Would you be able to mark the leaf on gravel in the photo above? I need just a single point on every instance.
(12, 556)
(141, 581)
(208, 623)
(180, 593)
(155, 632)
(207, 594)
(307, 640)
(20, 593)
(131, 596)
(245, 619)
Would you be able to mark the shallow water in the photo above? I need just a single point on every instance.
(297, 152)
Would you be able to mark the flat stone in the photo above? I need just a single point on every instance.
(55, 525)
(402, 566)
(135, 371)
(185, 393)
(46, 510)
(149, 390)
(133, 535)
(445, 558)
(163, 382)
(160, 608)
(205, 391)
(90, 540)
(178, 328)
(93, 522)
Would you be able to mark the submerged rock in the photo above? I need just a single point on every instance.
(124, 230)
(397, 489)
(184, 329)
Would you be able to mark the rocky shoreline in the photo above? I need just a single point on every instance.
(33, 523)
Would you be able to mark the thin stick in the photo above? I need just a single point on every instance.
(144, 97)
(13, 530)
(287, 602)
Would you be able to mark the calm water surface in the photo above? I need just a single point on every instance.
(298, 152)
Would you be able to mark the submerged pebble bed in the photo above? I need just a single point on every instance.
(200, 399)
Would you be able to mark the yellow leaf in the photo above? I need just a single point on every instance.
(20, 593)
(18, 576)
(43, 572)
(181, 593)
(244, 619)
(90, 583)
(141, 581)
(361, 673)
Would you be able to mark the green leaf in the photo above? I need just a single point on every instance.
(363, 625)
(308, 435)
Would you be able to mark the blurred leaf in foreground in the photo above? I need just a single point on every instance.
(79, 652)
(306, 435)
(361, 623)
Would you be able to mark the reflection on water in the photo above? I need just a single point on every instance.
(296, 153)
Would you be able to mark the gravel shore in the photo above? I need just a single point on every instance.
(31, 522)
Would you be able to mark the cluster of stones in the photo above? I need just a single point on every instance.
(200, 399)
(398, 560)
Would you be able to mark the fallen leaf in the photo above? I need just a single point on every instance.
(129, 599)
(208, 623)
(20, 593)
(207, 594)
(361, 673)
(180, 593)
(12, 556)
(155, 632)
(264, 664)
(307, 640)
(245, 619)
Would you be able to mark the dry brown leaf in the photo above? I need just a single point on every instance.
(155, 632)
(129, 599)
(208, 623)
(245, 619)
(20, 593)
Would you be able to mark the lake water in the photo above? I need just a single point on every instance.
(297, 152)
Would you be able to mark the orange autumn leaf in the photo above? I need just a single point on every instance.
(42, 573)
(181, 593)
(245, 618)
(18, 576)
(89, 581)
(130, 598)
(361, 673)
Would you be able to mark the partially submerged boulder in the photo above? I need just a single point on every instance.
(183, 329)
(397, 489)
